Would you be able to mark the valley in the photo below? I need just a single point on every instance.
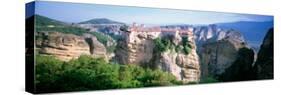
(190, 53)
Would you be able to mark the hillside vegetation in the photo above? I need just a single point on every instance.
(44, 24)
(87, 73)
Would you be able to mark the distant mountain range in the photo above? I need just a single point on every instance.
(254, 32)
(45, 24)
(100, 21)
(43, 21)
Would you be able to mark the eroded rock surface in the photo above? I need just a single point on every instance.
(138, 47)
(68, 46)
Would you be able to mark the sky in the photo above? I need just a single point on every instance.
(77, 12)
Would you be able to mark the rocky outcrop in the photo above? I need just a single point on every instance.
(264, 63)
(217, 56)
(138, 47)
(244, 69)
(217, 47)
(241, 69)
(135, 48)
(213, 33)
(97, 49)
(184, 66)
(68, 46)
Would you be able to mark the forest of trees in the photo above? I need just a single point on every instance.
(87, 73)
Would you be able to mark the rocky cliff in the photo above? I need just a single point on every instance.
(217, 55)
(264, 64)
(213, 33)
(244, 69)
(138, 47)
(68, 46)
(241, 69)
(184, 66)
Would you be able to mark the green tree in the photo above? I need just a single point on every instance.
(162, 45)
(187, 47)
(87, 73)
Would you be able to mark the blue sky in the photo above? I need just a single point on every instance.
(75, 12)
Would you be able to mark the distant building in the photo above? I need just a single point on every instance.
(157, 31)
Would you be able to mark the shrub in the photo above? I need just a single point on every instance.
(162, 45)
(209, 79)
(186, 49)
(87, 73)
(157, 78)
(159, 45)
(101, 37)
(178, 48)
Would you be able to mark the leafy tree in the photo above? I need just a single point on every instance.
(186, 49)
(101, 37)
(157, 78)
(159, 45)
(87, 73)
(48, 69)
(162, 45)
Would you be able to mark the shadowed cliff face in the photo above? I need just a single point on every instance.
(230, 59)
(241, 69)
(264, 64)
(216, 55)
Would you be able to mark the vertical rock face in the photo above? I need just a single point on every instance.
(241, 69)
(207, 33)
(68, 46)
(264, 63)
(218, 55)
(137, 47)
(184, 66)
(96, 48)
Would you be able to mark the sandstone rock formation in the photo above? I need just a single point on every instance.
(184, 66)
(137, 47)
(97, 49)
(264, 63)
(216, 56)
(68, 46)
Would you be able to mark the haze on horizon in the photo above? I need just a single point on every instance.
(78, 12)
